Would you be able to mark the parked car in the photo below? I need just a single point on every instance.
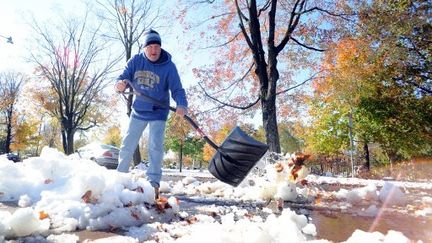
(103, 154)
(14, 157)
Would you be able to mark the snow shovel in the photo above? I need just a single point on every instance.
(234, 158)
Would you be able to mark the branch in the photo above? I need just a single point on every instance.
(297, 85)
(240, 13)
(237, 81)
(223, 44)
(246, 36)
(210, 110)
(418, 86)
(305, 46)
(292, 24)
(265, 7)
(341, 15)
(230, 105)
(211, 18)
(88, 127)
(272, 25)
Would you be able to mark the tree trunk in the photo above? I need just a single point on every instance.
(8, 138)
(268, 102)
(70, 141)
(181, 156)
(64, 143)
(8, 141)
(270, 124)
(366, 156)
(67, 135)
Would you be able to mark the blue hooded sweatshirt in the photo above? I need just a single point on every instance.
(154, 79)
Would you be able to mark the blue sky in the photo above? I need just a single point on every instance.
(14, 14)
(13, 17)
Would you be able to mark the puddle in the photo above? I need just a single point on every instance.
(340, 226)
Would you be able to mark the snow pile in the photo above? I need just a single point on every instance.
(23, 222)
(65, 194)
(233, 226)
(358, 195)
(392, 236)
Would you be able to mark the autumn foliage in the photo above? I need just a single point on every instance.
(218, 138)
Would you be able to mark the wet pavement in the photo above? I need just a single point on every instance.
(338, 227)
(332, 222)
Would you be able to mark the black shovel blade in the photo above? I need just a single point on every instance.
(235, 158)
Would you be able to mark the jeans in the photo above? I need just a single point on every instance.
(155, 148)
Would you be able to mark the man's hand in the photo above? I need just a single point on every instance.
(181, 111)
(120, 86)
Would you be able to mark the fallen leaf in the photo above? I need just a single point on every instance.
(162, 204)
(87, 196)
(48, 181)
(135, 215)
(304, 182)
(192, 220)
(294, 171)
(112, 228)
(278, 167)
(318, 199)
(43, 215)
(139, 189)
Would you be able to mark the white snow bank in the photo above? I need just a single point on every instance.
(68, 193)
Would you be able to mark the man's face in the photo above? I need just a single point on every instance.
(152, 52)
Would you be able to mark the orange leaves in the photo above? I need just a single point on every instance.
(294, 172)
(295, 168)
(45, 96)
(318, 199)
(43, 215)
(346, 71)
(345, 63)
(208, 152)
(162, 204)
(304, 182)
(278, 167)
(219, 137)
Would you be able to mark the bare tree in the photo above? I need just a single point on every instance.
(10, 86)
(75, 62)
(130, 19)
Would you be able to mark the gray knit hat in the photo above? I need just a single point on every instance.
(151, 37)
